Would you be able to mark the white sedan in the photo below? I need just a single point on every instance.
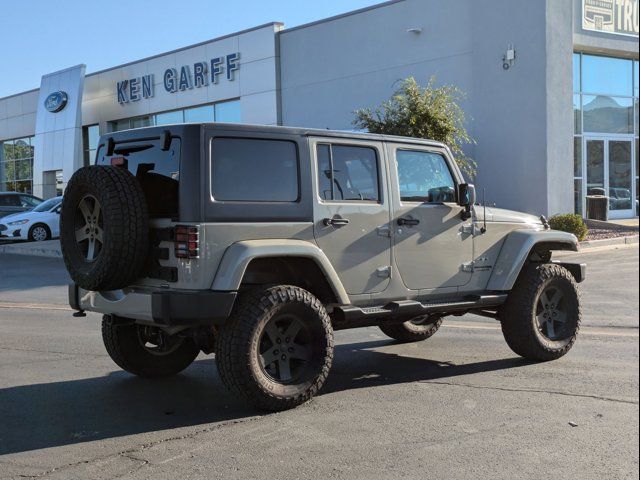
(38, 224)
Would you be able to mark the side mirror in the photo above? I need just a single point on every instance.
(466, 195)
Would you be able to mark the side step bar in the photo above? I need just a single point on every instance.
(350, 316)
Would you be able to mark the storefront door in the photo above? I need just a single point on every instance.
(609, 165)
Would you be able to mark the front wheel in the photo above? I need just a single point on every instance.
(277, 348)
(146, 351)
(541, 318)
(39, 233)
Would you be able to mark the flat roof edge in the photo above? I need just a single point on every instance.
(216, 39)
(339, 16)
(20, 93)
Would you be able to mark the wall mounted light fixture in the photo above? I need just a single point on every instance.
(509, 58)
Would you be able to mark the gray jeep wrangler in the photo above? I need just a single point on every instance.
(256, 243)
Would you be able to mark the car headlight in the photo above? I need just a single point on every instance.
(18, 222)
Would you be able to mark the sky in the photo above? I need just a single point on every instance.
(43, 36)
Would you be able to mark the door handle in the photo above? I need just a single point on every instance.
(408, 221)
(335, 221)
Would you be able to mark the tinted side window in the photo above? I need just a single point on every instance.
(424, 177)
(253, 170)
(10, 200)
(29, 201)
(348, 173)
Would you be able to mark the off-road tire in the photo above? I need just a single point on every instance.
(520, 328)
(238, 347)
(125, 349)
(125, 228)
(41, 225)
(408, 332)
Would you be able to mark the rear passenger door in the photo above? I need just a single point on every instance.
(351, 212)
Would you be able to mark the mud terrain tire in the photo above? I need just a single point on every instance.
(104, 228)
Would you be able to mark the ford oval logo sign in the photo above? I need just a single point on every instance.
(56, 101)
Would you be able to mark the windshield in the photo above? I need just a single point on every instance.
(47, 205)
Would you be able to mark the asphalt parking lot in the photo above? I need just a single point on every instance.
(459, 405)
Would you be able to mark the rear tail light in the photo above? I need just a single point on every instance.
(186, 241)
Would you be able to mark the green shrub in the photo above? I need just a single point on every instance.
(571, 223)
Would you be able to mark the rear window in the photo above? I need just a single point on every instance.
(157, 170)
(254, 170)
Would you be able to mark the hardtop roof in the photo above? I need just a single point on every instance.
(249, 128)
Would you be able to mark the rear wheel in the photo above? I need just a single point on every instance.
(415, 330)
(277, 348)
(542, 315)
(146, 351)
(39, 233)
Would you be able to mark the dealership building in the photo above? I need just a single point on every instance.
(551, 93)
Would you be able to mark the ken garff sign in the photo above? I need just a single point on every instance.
(56, 101)
(201, 74)
(619, 17)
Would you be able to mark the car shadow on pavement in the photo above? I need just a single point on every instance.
(360, 365)
(119, 404)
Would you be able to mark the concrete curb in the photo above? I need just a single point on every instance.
(33, 249)
(611, 225)
(633, 239)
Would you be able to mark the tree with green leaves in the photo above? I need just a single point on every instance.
(423, 112)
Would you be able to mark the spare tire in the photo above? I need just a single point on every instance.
(104, 228)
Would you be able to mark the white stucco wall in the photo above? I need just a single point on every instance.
(254, 82)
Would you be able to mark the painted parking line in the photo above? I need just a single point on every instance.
(35, 306)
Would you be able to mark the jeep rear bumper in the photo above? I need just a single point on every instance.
(170, 308)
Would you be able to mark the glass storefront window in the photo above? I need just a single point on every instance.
(576, 72)
(90, 138)
(604, 114)
(608, 75)
(199, 114)
(16, 164)
(620, 175)
(141, 122)
(577, 115)
(169, 118)
(577, 195)
(577, 156)
(595, 167)
(228, 112)
(635, 79)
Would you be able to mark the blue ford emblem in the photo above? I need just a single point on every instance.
(56, 101)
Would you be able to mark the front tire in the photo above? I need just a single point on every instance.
(146, 351)
(39, 233)
(541, 318)
(277, 348)
(415, 330)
